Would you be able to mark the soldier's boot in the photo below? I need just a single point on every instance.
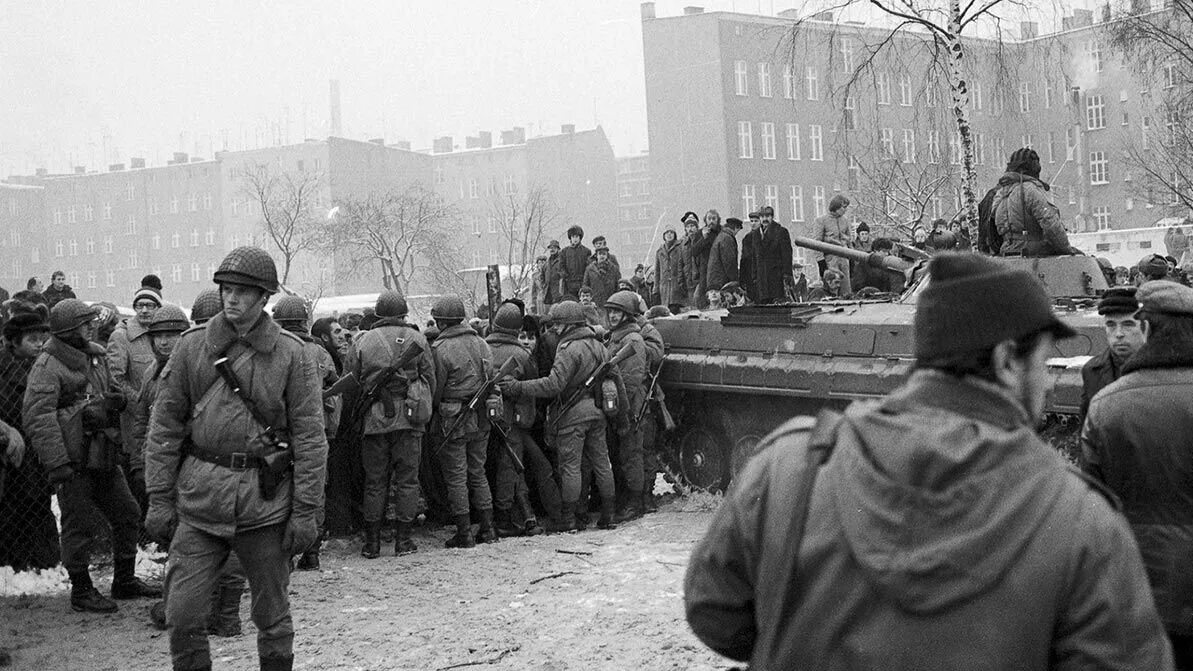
(403, 545)
(649, 505)
(505, 522)
(581, 515)
(631, 508)
(277, 663)
(531, 526)
(463, 537)
(309, 561)
(126, 585)
(564, 521)
(85, 598)
(487, 532)
(224, 619)
(372, 547)
(157, 615)
(606, 520)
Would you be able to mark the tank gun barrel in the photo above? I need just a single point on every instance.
(872, 259)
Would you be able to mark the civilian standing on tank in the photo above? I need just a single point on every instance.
(943, 533)
(833, 229)
(774, 259)
(669, 272)
(573, 261)
(691, 227)
(1136, 440)
(601, 276)
(748, 269)
(599, 243)
(58, 290)
(722, 259)
(552, 276)
(639, 284)
(28, 530)
(701, 249)
(1124, 333)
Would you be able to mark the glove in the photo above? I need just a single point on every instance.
(300, 535)
(114, 401)
(61, 474)
(13, 444)
(161, 521)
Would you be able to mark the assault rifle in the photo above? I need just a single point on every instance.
(481, 394)
(656, 392)
(368, 394)
(597, 376)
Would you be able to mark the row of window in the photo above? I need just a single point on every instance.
(770, 197)
(745, 141)
(628, 189)
(194, 201)
(71, 247)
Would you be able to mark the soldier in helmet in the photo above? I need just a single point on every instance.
(578, 432)
(292, 314)
(207, 305)
(519, 418)
(624, 329)
(395, 420)
(71, 416)
(237, 484)
(463, 363)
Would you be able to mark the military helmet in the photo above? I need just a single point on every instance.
(448, 307)
(207, 305)
(566, 312)
(290, 308)
(251, 266)
(70, 314)
(391, 304)
(626, 301)
(508, 319)
(169, 319)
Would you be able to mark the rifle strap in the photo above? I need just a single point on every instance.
(218, 384)
(820, 448)
(243, 394)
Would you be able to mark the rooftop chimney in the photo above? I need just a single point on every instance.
(136, 162)
(179, 157)
(692, 9)
(1083, 18)
(403, 144)
(567, 128)
(197, 159)
(442, 145)
(1106, 13)
(1029, 30)
(515, 135)
(647, 10)
(336, 130)
(116, 167)
(826, 17)
(792, 14)
(1140, 6)
(80, 170)
(41, 172)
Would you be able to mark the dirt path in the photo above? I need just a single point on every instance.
(612, 601)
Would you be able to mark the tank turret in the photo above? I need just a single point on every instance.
(732, 376)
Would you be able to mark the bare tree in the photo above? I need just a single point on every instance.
(938, 28)
(287, 204)
(522, 221)
(1159, 47)
(909, 192)
(407, 234)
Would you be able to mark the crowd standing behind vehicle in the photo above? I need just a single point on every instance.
(213, 439)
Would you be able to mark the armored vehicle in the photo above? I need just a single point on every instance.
(732, 376)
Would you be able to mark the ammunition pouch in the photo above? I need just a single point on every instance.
(276, 464)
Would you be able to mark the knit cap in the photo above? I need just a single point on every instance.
(972, 303)
(148, 293)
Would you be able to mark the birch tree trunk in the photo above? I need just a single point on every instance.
(960, 90)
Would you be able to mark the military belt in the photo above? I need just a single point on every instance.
(237, 461)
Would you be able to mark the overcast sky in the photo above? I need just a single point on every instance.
(147, 79)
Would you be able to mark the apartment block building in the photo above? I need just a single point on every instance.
(745, 111)
(641, 227)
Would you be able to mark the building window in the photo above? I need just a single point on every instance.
(625, 190)
(194, 237)
(1172, 124)
(1129, 204)
(175, 240)
(772, 197)
(818, 201)
(210, 238)
(977, 96)
(934, 146)
(207, 201)
(130, 192)
(954, 149)
(192, 202)
(110, 278)
(847, 55)
(797, 203)
(1095, 112)
(176, 272)
(1024, 97)
(742, 76)
(1099, 171)
(788, 83)
(1048, 95)
(473, 189)
(492, 224)
(90, 280)
(1051, 147)
(174, 204)
(12, 206)
(1094, 51)
(883, 81)
(999, 148)
(937, 207)
(764, 88)
(768, 140)
(888, 142)
(932, 93)
(74, 247)
(70, 215)
(793, 142)
(905, 90)
(439, 178)
(854, 172)
(998, 101)
(745, 140)
(195, 272)
(979, 144)
(1145, 132)
(156, 241)
(1102, 218)
(153, 207)
(814, 137)
(749, 197)
(1070, 142)
(476, 225)
(132, 259)
(88, 213)
(130, 227)
(1169, 75)
(908, 145)
(812, 83)
(89, 246)
(511, 186)
(107, 211)
(1026, 141)
(850, 115)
